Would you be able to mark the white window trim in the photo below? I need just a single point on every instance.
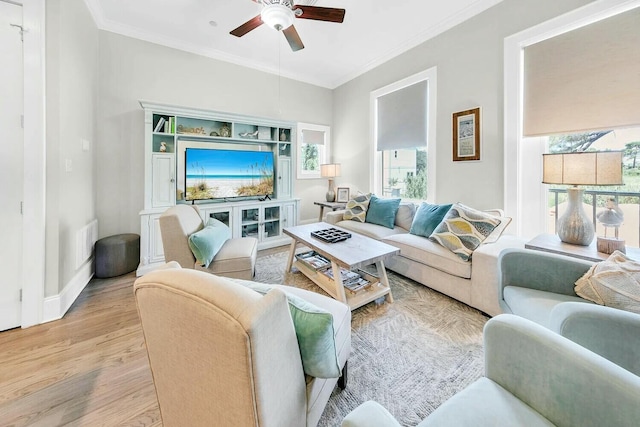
(430, 75)
(324, 157)
(523, 177)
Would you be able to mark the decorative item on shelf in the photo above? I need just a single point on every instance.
(283, 135)
(225, 131)
(191, 131)
(264, 132)
(251, 135)
(330, 170)
(585, 168)
(163, 147)
(213, 133)
(610, 216)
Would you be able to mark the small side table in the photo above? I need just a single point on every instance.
(333, 205)
(552, 243)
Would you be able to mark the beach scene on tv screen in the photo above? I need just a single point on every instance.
(213, 174)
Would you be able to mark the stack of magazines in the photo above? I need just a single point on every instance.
(314, 260)
(351, 280)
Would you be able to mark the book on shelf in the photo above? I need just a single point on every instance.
(160, 124)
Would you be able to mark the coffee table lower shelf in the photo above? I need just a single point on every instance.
(354, 300)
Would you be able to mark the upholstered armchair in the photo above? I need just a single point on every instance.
(236, 258)
(532, 283)
(533, 377)
(222, 354)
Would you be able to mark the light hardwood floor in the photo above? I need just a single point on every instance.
(88, 369)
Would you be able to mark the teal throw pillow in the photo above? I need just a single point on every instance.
(314, 330)
(427, 218)
(382, 211)
(463, 229)
(206, 243)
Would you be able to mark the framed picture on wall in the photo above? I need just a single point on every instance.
(343, 195)
(466, 135)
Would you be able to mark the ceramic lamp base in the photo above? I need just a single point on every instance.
(575, 226)
(331, 194)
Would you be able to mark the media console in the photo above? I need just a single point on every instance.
(170, 130)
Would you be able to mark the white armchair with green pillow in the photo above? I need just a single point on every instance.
(207, 247)
(533, 377)
(229, 352)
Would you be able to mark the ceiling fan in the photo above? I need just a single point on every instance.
(280, 14)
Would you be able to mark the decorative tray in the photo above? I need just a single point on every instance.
(331, 235)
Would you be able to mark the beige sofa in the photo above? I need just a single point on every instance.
(473, 282)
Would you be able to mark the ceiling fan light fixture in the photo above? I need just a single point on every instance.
(277, 16)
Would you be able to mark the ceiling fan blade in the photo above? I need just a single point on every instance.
(329, 14)
(243, 29)
(293, 38)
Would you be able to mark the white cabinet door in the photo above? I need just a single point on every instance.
(163, 180)
(284, 178)
(289, 215)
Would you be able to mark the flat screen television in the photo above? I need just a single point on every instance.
(223, 174)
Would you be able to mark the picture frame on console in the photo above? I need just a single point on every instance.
(466, 135)
(342, 195)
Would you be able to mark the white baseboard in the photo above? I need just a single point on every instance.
(56, 306)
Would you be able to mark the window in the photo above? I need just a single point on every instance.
(313, 149)
(525, 196)
(403, 120)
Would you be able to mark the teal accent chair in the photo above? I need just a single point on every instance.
(539, 286)
(533, 283)
(533, 377)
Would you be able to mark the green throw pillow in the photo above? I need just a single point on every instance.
(382, 211)
(463, 229)
(206, 243)
(356, 208)
(314, 330)
(427, 218)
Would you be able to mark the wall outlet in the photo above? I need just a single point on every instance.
(85, 145)
(68, 165)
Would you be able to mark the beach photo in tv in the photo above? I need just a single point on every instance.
(216, 173)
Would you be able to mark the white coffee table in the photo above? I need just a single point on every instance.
(353, 253)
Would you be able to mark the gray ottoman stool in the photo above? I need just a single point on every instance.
(117, 255)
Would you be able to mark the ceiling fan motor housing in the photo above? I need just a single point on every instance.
(277, 14)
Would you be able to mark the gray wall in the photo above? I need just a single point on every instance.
(469, 58)
(133, 70)
(71, 84)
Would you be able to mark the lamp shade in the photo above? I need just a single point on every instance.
(330, 170)
(585, 168)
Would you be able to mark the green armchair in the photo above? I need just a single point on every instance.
(533, 377)
(533, 283)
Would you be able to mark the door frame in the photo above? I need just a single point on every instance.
(34, 189)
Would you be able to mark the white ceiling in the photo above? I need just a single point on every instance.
(373, 32)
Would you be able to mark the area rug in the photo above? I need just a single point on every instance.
(410, 355)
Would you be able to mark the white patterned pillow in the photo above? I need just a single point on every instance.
(463, 229)
(614, 283)
(356, 208)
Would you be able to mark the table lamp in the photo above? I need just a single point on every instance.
(575, 169)
(330, 170)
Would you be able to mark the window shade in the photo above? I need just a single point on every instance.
(586, 79)
(312, 137)
(402, 118)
